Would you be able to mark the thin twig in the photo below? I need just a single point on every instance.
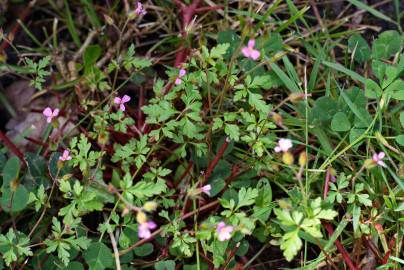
(114, 245)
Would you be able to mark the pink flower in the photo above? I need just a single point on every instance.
(144, 229)
(121, 101)
(140, 9)
(224, 231)
(206, 189)
(377, 158)
(249, 51)
(180, 75)
(283, 145)
(50, 114)
(65, 156)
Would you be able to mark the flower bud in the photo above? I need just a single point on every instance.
(277, 118)
(141, 217)
(108, 19)
(125, 211)
(103, 138)
(302, 158)
(369, 164)
(287, 158)
(380, 138)
(132, 15)
(10, 37)
(379, 227)
(296, 97)
(55, 123)
(60, 164)
(67, 176)
(150, 206)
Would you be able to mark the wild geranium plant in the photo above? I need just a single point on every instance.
(242, 142)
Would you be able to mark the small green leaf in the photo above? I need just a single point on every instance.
(165, 265)
(246, 197)
(291, 244)
(91, 55)
(340, 122)
(74, 266)
(402, 119)
(359, 47)
(230, 37)
(232, 131)
(144, 250)
(388, 43)
(14, 201)
(11, 171)
(372, 89)
(98, 256)
(144, 189)
(400, 139)
(219, 50)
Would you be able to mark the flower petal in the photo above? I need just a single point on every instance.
(55, 112)
(182, 72)
(178, 81)
(151, 225)
(220, 226)
(251, 43)
(117, 100)
(122, 107)
(381, 163)
(255, 54)
(381, 155)
(246, 52)
(47, 112)
(125, 99)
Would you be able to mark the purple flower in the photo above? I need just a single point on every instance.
(140, 9)
(283, 145)
(224, 231)
(249, 51)
(206, 189)
(50, 114)
(65, 156)
(121, 101)
(144, 229)
(377, 158)
(180, 75)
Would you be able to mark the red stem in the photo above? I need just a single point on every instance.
(330, 230)
(204, 9)
(387, 256)
(218, 156)
(340, 248)
(12, 147)
(139, 110)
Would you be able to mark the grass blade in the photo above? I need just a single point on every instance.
(70, 25)
(348, 72)
(371, 10)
